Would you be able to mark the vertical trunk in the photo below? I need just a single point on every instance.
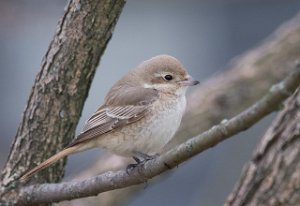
(272, 177)
(61, 87)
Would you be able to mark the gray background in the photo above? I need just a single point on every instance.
(204, 35)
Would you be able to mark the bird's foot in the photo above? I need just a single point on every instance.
(140, 159)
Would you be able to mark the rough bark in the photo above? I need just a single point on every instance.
(272, 177)
(60, 88)
(248, 77)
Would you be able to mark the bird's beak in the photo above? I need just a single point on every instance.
(189, 82)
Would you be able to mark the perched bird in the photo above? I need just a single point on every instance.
(140, 114)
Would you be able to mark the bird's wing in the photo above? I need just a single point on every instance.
(110, 117)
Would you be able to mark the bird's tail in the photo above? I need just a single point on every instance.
(48, 162)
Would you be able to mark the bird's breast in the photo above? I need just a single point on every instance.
(164, 123)
(151, 133)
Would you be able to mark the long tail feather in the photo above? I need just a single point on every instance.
(49, 162)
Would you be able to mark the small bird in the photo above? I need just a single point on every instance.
(140, 114)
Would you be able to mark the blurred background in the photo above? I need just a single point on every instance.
(204, 35)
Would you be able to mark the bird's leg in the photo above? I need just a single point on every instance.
(136, 159)
(130, 167)
(140, 158)
(145, 157)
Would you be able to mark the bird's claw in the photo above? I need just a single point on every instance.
(140, 159)
(130, 167)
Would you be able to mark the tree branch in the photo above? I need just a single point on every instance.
(250, 76)
(113, 180)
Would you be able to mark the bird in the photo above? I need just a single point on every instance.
(139, 116)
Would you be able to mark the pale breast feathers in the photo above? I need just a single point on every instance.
(117, 112)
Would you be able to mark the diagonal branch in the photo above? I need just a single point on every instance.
(113, 180)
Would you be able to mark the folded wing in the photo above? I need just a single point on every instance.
(110, 117)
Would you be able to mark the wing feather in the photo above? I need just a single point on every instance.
(109, 118)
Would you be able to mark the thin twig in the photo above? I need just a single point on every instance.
(45, 193)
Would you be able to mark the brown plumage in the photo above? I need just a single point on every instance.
(116, 114)
(141, 112)
(49, 162)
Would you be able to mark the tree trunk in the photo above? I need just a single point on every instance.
(272, 177)
(60, 89)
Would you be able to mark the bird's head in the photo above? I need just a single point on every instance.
(165, 74)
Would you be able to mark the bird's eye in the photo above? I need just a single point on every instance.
(168, 77)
